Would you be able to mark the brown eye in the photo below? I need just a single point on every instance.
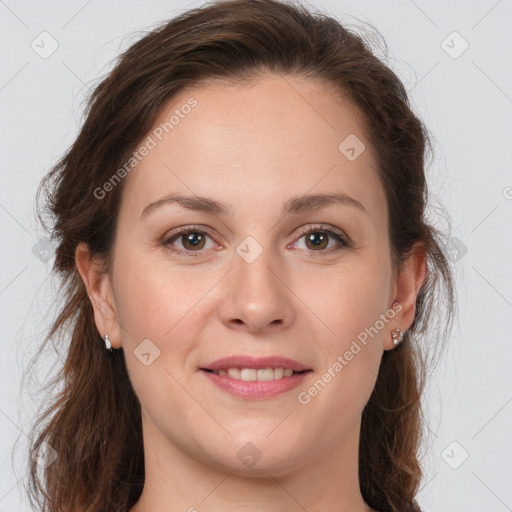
(317, 240)
(193, 240)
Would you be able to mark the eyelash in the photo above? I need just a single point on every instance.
(338, 236)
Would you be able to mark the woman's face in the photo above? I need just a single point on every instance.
(261, 276)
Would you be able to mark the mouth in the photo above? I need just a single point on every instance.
(256, 374)
(252, 378)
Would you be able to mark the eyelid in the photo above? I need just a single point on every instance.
(189, 228)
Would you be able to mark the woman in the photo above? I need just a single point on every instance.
(247, 268)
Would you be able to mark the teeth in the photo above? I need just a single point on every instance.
(265, 374)
(248, 374)
(252, 374)
(234, 373)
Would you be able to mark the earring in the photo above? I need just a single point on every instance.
(108, 345)
(397, 335)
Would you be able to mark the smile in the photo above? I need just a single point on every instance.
(254, 378)
(256, 374)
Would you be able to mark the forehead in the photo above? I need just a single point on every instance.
(255, 143)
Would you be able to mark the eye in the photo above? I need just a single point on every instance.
(192, 240)
(317, 238)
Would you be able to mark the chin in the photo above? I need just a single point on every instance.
(255, 456)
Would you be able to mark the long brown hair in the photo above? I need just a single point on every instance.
(93, 421)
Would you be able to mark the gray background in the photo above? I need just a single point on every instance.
(465, 98)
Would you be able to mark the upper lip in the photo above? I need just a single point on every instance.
(241, 361)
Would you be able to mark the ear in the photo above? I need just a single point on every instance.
(408, 284)
(100, 291)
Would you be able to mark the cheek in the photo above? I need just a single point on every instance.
(352, 300)
(353, 306)
(153, 299)
(168, 306)
(156, 310)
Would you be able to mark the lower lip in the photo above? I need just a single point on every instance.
(256, 389)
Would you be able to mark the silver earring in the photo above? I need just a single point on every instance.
(397, 335)
(108, 345)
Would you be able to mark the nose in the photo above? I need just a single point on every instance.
(257, 297)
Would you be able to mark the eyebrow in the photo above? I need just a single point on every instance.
(294, 205)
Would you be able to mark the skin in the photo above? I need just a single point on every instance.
(252, 147)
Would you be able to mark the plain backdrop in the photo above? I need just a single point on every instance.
(454, 59)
